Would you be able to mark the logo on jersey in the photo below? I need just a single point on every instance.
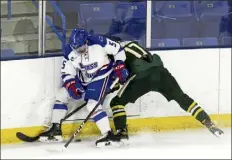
(101, 38)
(89, 66)
(90, 75)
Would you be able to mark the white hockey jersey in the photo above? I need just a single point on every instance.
(95, 63)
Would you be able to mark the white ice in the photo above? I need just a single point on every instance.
(188, 144)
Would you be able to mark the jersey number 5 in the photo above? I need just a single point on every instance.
(112, 43)
(63, 64)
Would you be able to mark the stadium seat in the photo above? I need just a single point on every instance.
(211, 15)
(227, 41)
(157, 28)
(177, 18)
(97, 16)
(133, 9)
(130, 19)
(70, 10)
(69, 6)
(6, 53)
(164, 43)
(211, 8)
(196, 42)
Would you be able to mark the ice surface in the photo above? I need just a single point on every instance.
(187, 144)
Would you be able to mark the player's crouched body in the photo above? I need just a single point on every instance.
(88, 73)
(154, 77)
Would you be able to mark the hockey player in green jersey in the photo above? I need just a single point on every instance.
(150, 72)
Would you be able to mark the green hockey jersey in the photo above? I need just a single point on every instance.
(139, 61)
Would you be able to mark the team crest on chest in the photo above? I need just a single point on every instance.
(89, 66)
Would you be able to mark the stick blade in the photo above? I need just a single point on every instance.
(26, 138)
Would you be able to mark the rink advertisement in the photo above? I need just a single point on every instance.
(28, 90)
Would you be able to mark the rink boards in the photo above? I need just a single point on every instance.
(158, 124)
(28, 89)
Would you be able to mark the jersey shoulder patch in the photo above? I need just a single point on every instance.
(133, 48)
(97, 39)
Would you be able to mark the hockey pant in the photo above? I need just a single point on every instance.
(94, 92)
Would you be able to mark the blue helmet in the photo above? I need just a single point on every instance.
(78, 38)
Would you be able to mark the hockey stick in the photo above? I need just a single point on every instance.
(26, 138)
(120, 92)
(71, 113)
(89, 115)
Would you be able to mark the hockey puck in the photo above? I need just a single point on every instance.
(78, 140)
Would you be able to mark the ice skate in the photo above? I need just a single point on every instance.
(109, 139)
(53, 134)
(123, 135)
(213, 129)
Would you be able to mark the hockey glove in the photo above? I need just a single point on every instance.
(121, 72)
(74, 88)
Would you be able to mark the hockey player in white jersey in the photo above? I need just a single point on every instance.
(88, 72)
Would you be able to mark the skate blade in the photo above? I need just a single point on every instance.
(218, 134)
(109, 144)
(55, 139)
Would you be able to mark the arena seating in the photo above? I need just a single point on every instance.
(173, 23)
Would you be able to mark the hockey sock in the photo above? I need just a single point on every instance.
(59, 112)
(119, 116)
(198, 113)
(101, 119)
(99, 116)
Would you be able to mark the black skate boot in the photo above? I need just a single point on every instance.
(108, 140)
(212, 128)
(123, 135)
(53, 134)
